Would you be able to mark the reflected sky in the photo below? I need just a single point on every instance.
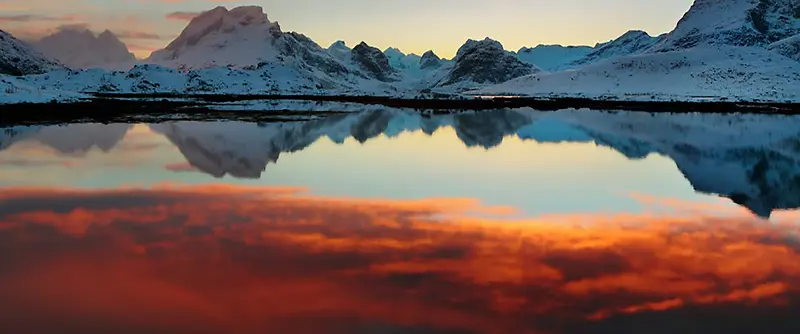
(391, 222)
(212, 258)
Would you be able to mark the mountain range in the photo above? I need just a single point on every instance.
(720, 49)
(80, 48)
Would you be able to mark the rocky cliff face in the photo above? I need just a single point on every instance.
(486, 62)
(372, 61)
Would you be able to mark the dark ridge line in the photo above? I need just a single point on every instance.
(545, 104)
(135, 111)
(110, 108)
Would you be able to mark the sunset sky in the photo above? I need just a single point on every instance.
(412, 25)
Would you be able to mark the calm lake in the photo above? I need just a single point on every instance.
(389, 221)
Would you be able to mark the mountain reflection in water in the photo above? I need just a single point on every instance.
(752, 159)
(122, 253)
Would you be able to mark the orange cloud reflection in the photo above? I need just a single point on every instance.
(206, 259)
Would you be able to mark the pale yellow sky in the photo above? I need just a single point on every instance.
(414, 26)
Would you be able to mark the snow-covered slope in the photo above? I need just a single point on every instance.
(402, 61)
(553, 57)
(81, 48)
(340, 51)
(789, 47)
(242, 36)
(429, 60)
(631, 43)
(484, 62)
(19, 58)
(734, 22)
(735, 73)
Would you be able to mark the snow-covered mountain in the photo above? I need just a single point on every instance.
(81, 48)
(402, 61)
(429, 60)
(631, 43)
(485, 62)
(220, 37)
(734, 22)
(244, 37)
(340, 51)
(240, 51)
(553, 57)
(722, 73)
(721, 49)
(19, 58)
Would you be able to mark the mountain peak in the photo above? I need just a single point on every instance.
(630, 43)
(340, 44)
(429, 60)
(486, 43)
(486, 61)
(635, 34)
(244, 32)
(392, 50)
(372, 60)
(78, 47)
(734, 22)
(219, 20)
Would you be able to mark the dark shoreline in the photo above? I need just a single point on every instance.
(109, 107)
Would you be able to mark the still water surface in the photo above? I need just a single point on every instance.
(391, 222)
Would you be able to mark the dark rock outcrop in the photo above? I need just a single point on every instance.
(373, 61)
(486, 62)
(430, 60)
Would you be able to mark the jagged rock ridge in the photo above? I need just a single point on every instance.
(631, 43)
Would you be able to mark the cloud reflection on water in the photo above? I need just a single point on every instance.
(197, 259)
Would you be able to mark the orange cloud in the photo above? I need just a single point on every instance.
(33, 17)
(182, 16)
(196, 259)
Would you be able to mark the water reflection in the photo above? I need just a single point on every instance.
(210, 259)
(753, 160)
(116, 254)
